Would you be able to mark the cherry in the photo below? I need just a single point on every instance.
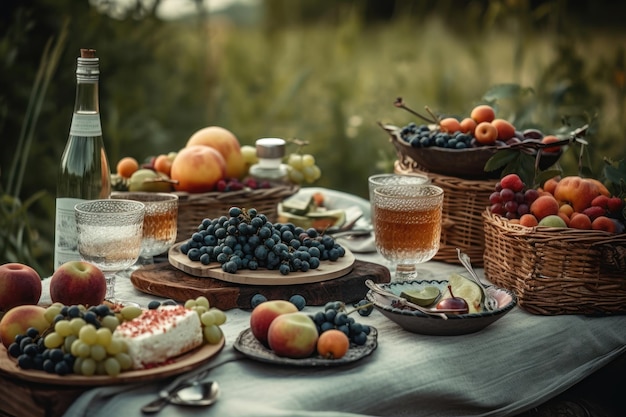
(453, 303)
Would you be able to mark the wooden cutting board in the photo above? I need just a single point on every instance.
(165, 280)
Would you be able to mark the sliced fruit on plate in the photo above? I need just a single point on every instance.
(320, 220)
(468, 290)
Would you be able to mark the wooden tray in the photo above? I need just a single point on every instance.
(165, 280)
(326, 271)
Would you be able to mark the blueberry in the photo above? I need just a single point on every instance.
(298, 301)
(257, 299)
(154, 304)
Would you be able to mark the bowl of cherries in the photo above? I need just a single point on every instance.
(446, 315)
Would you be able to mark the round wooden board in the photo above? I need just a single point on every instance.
(327, 270)
(181, 364)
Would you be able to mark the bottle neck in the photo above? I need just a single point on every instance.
(87, 76)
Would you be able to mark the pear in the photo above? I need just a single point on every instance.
(149, 180)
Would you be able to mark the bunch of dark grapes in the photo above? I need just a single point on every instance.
(421, 136)
(512, 199)
(234, 184)
(335, 316)
(245, 239)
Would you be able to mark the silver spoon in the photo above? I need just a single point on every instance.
(433, 312)
(191, 394)
(489, 301)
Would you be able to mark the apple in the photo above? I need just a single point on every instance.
(197, 169)
(78, 282)
(226, 143)
(19, 284)
(293, 335)
(19, 319)
(263, 315)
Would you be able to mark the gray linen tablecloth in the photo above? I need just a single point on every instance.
(515, 364)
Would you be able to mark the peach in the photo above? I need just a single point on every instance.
(594, 212)
(505, 129)
(603, 223)
(486, 133)
(513, 182)
(292, 335)
(550, 184)
(483, 113)
(19, 319)
(78, 282)
(19, 284)
(544, 206)
(528, 220)
(333, 344)
(566, 209)
(197, 169)
(550, 139)
(468, 125)
(264, 314)
(163, 164)
(226, 143)
(565, 218)
(615, 204)
(450, 125)
(578, 192)
(580, 221)
(601, 187)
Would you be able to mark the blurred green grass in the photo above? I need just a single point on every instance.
(328, 81)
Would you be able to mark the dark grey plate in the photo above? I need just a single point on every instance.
(247, 344)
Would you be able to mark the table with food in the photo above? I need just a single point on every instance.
(448, 292)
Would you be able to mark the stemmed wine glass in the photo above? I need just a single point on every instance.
(407, 223)
(109, 236)
(159, 223)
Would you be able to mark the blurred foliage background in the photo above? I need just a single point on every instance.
(322, 71)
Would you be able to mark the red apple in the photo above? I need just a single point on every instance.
(19, 284)
(263, 315)
(293, 335)
(18, 319)
(78, 282)
(226, 143)
(197, 169)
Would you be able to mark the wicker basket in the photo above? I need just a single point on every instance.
(463, 204)
(557, 271)
(193, 208)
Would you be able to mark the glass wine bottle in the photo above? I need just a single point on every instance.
(84, 172)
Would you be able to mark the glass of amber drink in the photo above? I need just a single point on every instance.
(407, 224)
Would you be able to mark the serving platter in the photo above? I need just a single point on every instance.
(247, 344)
(327, 270)
(179, 365)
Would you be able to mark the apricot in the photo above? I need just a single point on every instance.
(505, 129)
(543, 206)
(450, 125)
(333, 344)
(565, 217)
(603, 223)
(550, 185)
(566, 209)
(486, 133)
(550, 139)
(468, 125)
(483, 113)
(127, 166)
(528, 220)
(580, 221)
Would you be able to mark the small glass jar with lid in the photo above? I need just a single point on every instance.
(270, 152)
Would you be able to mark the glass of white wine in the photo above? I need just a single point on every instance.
(109, 236)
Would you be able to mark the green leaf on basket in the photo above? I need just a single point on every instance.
(500, 159)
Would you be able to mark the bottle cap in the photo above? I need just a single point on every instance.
(270, 148)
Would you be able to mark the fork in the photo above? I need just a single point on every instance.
(489, 302)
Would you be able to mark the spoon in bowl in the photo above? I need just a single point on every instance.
(189, 394)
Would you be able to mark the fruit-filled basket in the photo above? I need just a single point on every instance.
(463, 204)
(555, 270)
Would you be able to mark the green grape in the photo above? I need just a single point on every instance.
(98, 353)
(80, 349)
(78, 365)
(112, 366)
(110, 322)
(100, 368)
(76, 324)
(190, 303)
(212, 334)
(199, 309)
(63, 328)
(202, 301)
(103, 336)
(88, 334)
(308, 160)
(220, 316)
(53, 340)
(125, 360)
(67, 344)
(248, 153)
(295, 161)
(116, 346)
(311, 173)
(208, 318)
(295, 176)
(88, 367)
(51, 312)
(130, 312)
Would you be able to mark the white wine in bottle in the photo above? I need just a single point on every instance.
(84, 172)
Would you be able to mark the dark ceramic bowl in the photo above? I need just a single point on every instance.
(456, 324)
